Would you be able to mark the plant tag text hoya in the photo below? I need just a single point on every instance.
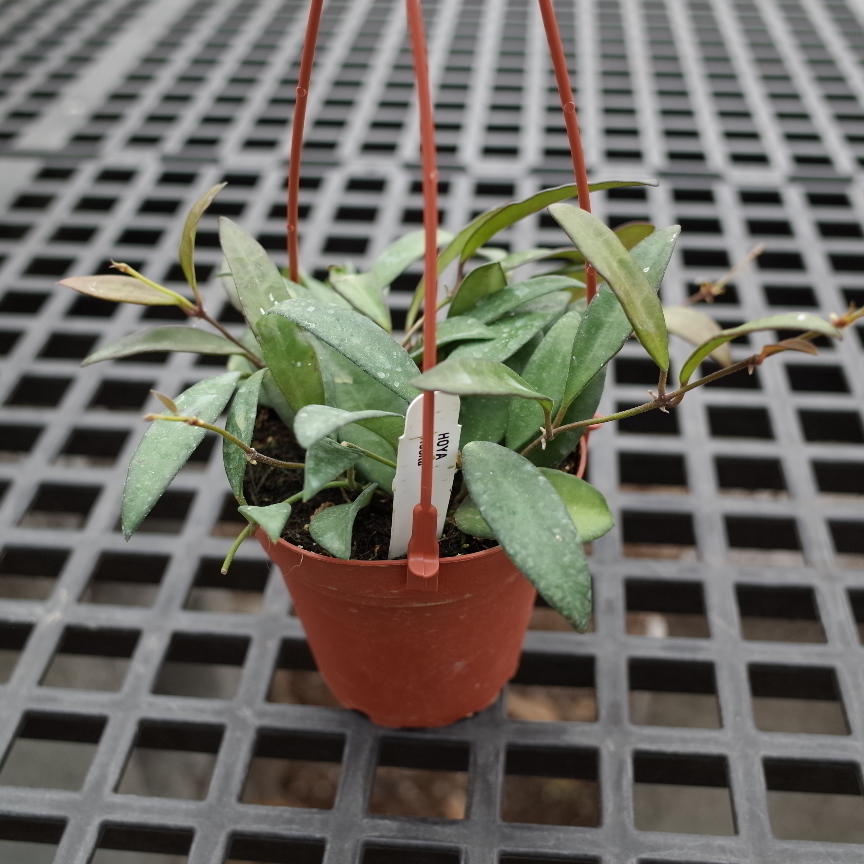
(406, 485)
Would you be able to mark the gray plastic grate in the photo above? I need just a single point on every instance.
(154, 711)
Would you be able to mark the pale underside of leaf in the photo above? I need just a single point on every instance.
(119, 289)
(190, 229)
(176, 338)
(696, 327)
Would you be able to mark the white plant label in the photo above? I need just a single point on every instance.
(406, 486)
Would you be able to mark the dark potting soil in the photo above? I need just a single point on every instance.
(267, 484)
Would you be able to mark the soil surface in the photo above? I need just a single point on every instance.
(266, 484)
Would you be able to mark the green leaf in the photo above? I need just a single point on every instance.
(167, 445)
(530, 256)
(585, 504)
(484, 418)
(790, 321)
(582, 408)
(357, 338)
(241, 424)
(119, 289)
(165, 339)
(272, 518)
(546, 370)
(332, 528)
(314, 422)
(488, 224)
(190, 229)
(531, 522)
(271, 397)
(605, 252)
(365, 295)
(507, 299)
(511, 333)
(325, 461)
(259, 283)
(371, 469)
(605, 327)
(479, 283)
(470, 521)
(696, 327)
(401, 254)
(292, 361)
(478, 378)
(461, 329)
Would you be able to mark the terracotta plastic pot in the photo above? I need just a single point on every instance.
(410, 658)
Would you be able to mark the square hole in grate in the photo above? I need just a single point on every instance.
(92, 447)
(374, 853)
(38, 391)
(29, 841)
(229, 522)
(529, 858)
(552, 688)
(856, 601)
(52, 751)
(125, 579)
(88, 658)
(663, 609)
(769, 540)
(46, 266)
(13, 638)
(802, 699)
(141, 844)
(635, 370)
(22, 302)
(58, 507)
(729, 422)
(778, 613)
(168, 514)
(171, 760)
(551, 786)
(752, 477)
(8, 340)
(848, 538)
(420, 778)
(740, 380)
(839, 478)
(790, 295)
(816, 379)
(264, 849)
(28, 573)
(652, 472)
(839, 426)
(296, 679)
(815, 800)
(544, 617)
(90, 307)
(294, 769)
(682, 794)
(649, 423)
(673, 693)
(240, 591)
(121, 395)
(202, 665)
(658, 535)
(16, 441)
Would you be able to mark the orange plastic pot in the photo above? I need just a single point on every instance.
(409, 658)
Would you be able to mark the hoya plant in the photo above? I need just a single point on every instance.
(525, 352)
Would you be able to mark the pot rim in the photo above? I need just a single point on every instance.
(471, 556)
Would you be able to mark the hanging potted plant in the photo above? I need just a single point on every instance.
(335, 439)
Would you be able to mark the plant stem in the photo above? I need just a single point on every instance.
(369, 453)
(184, 303)
(252, 455)
(303, 81)
(205, 316)
(229, 558)
(571, 121)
